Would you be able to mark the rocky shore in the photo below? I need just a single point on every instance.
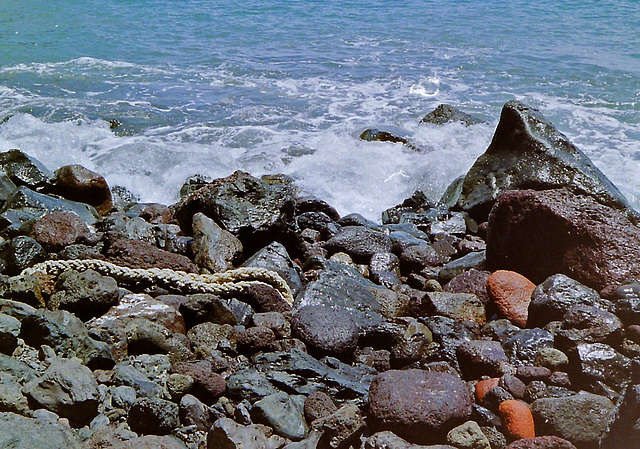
(249, 315)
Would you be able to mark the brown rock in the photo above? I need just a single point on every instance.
(546, 442)
(511, 293)
(541, 233)
(472, 281)
(208, 386)
(77, 183)
(138, 254)
(418, 405)
(59, 229)
(318, 405)
(517, 420)
(484, 386)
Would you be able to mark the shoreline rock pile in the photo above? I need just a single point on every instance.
(505, 315)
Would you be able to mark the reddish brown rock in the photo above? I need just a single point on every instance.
(517, 420)
(208, 386)
(484, 386)
(541, 233)
(472, 281)
(59, 229)
(318, 405)
(546, 442)
(77, 183)
(138, 254)
(156, 213)
(417, 405)
(511, 294)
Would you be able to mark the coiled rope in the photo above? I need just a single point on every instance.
(228, 282)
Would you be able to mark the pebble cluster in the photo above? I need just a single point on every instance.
(504, 315)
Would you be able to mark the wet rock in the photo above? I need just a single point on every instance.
(496, 396)
(481, 358)
(471, 281)
(589, 324)
(528, 152)
(77, 183)
(359, 242)
(385, 269)
(624, 430)
(555, 296)
(68, 389)
(138, 254)
(457, 306)
(318, 405)
(21, 252)
(87, 294)
(484, 386)
(153, 416)
(510, 292)
(342, 428)
(581, 238)
(628, 309)
(213, 247)
(475, 260)
(326, 331)
(9, 332)
(275, 257)
(23, 169)
(283, 413)
(341, 286)
(375, 135)
(546, 442)
(445, 113)
(581, 419)
(551, 358)
(500, 330)
(21, 432)
(468, 436)
(121, 225)
(26, 201)
(58, 229)
(598, 361)
(67, 335)
(521, 349)
(418, 405)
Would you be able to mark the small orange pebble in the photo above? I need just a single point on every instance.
(517, 419)
(483, 387)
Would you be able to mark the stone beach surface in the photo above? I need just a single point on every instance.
(504, 315)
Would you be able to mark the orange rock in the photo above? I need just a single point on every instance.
(511, 293)
(517, 419)
(483, 387)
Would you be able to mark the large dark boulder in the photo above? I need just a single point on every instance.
(541, 233)
(418, 405)
(528, 152)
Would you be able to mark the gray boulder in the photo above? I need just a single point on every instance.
(227, 434)
(19, 432)
(275, 257)
(213, 247)
(153, 416)
(86, 294)
(359, 242)
(326, 330)
(23, 169)
(68, 389)
(282, 412)
(528, 152)
(9, 332)
(582, 418)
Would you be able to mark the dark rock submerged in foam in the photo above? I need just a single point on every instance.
(502, 315)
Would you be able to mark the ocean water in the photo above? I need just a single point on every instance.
(270, 86)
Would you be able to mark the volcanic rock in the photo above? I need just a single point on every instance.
(511, 294)
(445, 113)
(138, 254)
(326, 330)
(213, 247)
(77, 183)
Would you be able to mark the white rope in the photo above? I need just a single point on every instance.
(228, 282)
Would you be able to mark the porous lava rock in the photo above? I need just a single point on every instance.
(326, 330)
(417, 405)
(138, 254)
(541, 233)
(59, 229)
(511, 294)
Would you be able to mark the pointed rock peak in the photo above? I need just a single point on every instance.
(528, 152)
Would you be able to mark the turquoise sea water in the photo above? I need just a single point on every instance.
(273, 86)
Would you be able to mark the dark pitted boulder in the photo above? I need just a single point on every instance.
(472, 281)
(589, 324)
(240, 203)
(59, 229)
(528, 152)
(590, 362)
(23, 169)
(68, 389)
(326, 331)
(77, 183)
(21, 252)
(446, 113)
(375, 135)
(541, 233)
(582, 418)
(546, 442)
(481, 357)
(138, 254)
(153, 416)
(359, 242)
(555, 296)
(87, 294)
(417, 405)
(17, 432)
